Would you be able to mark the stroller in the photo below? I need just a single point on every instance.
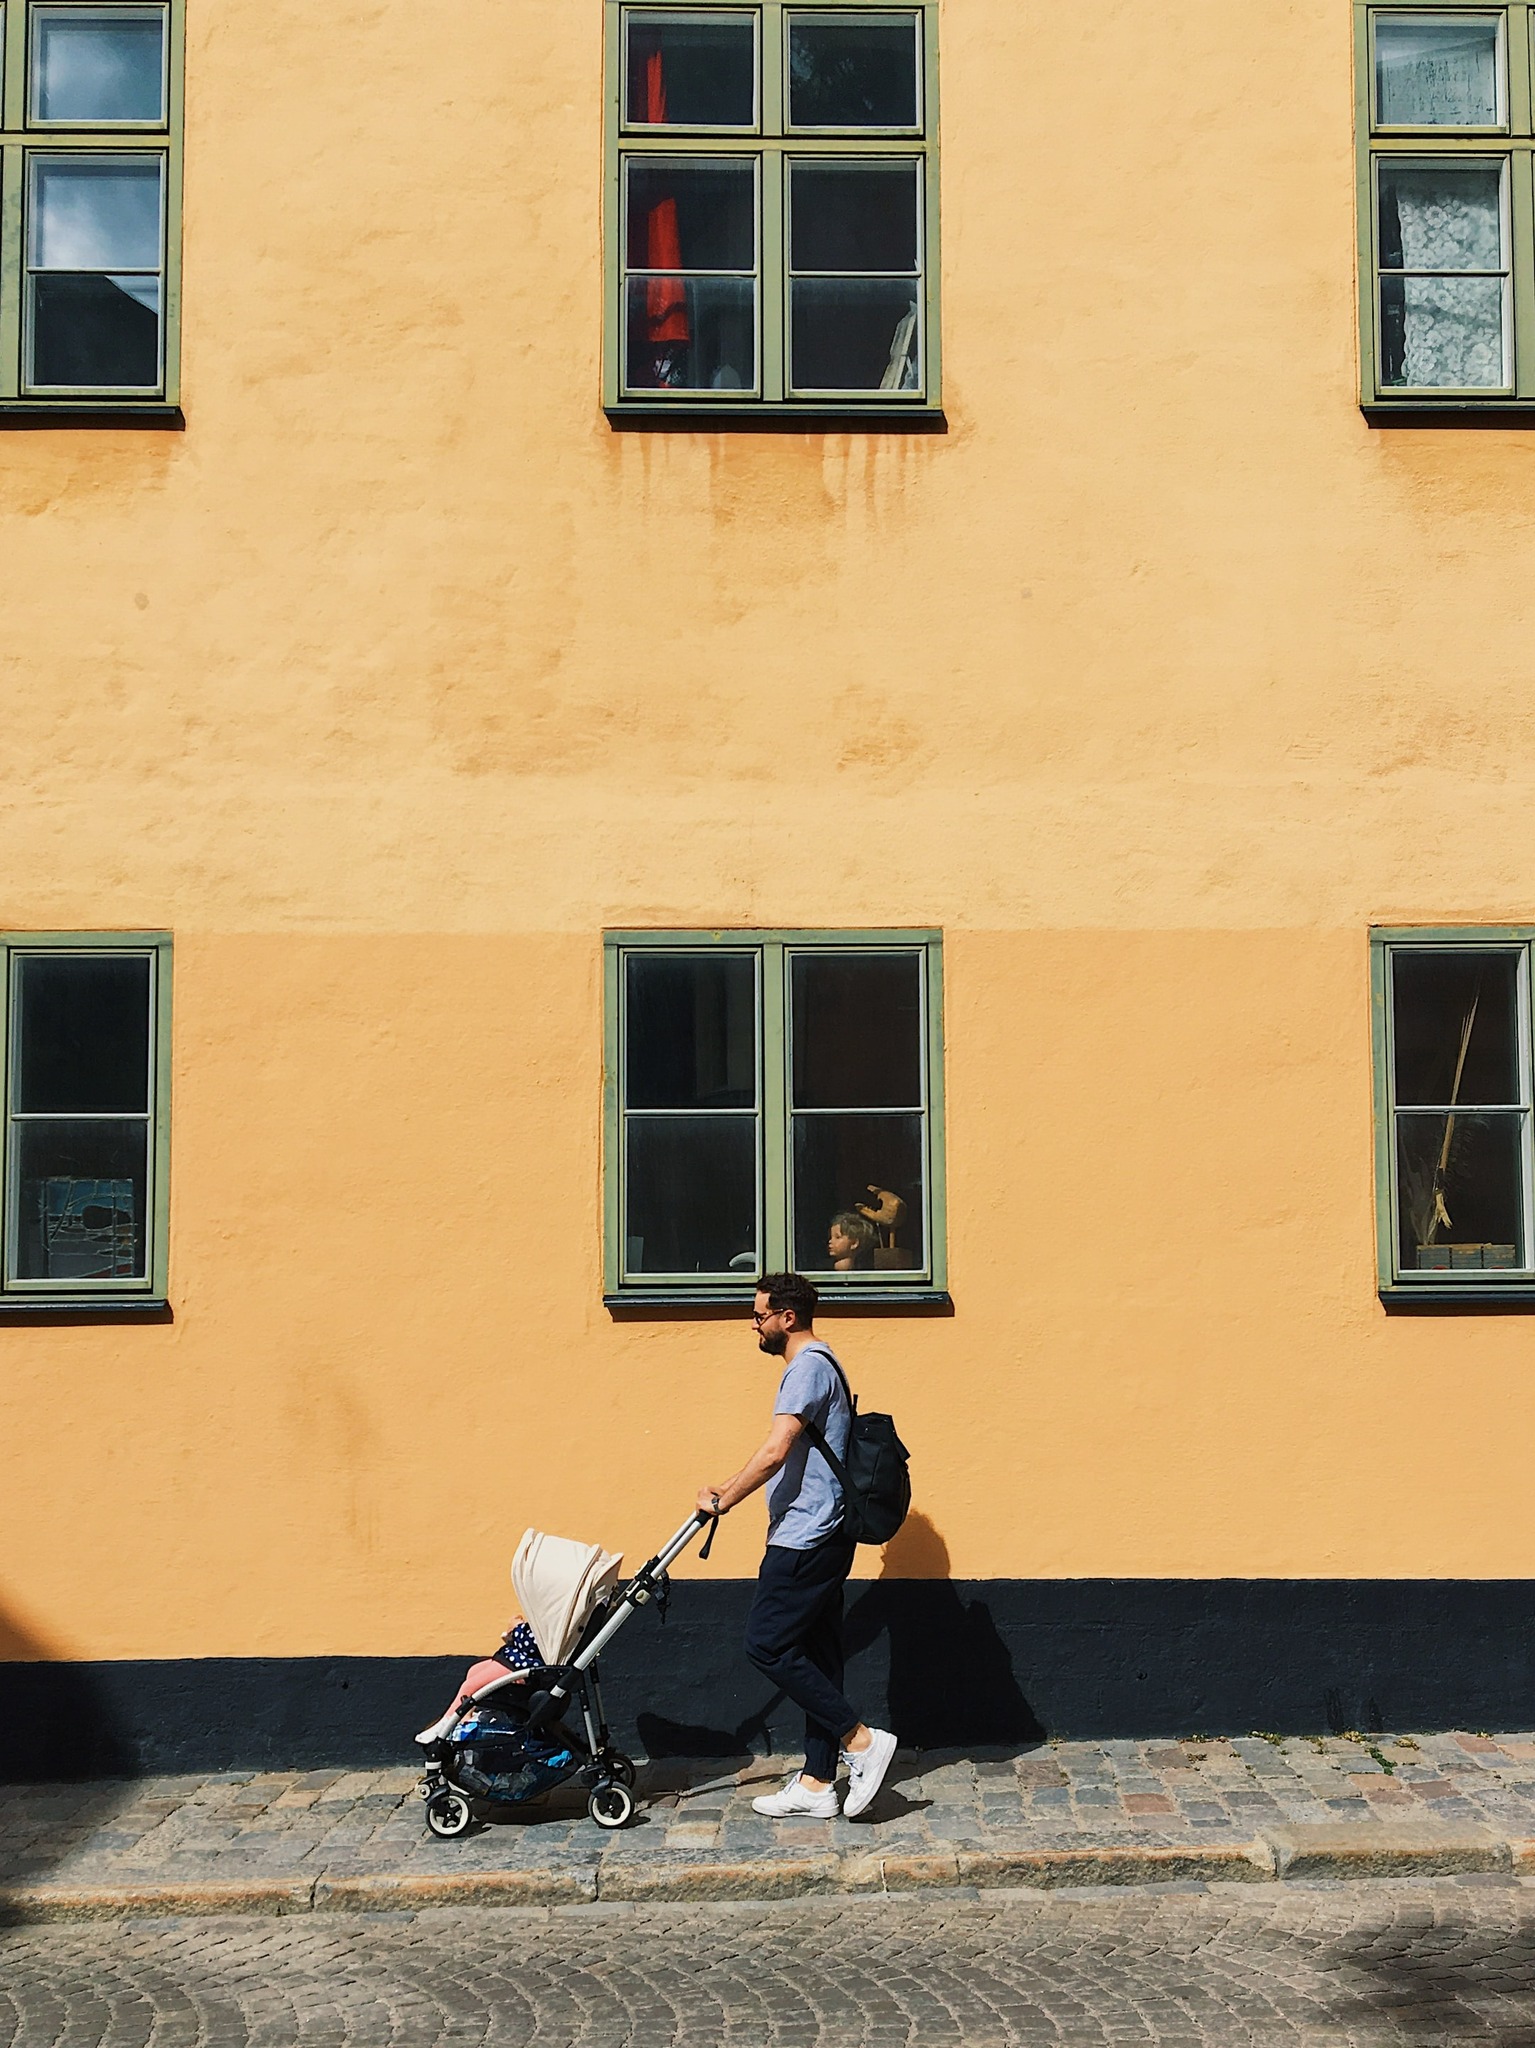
(507, 1743)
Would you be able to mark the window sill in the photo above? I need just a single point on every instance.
(1450, 412)
(78, 412)
(740, 1299)
(86, 1307)
(777, 419)
(1472, 1294)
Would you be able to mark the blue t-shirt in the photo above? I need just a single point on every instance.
(805, 1501)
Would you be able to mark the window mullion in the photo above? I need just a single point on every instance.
(773, 268)
(776, 1148)
(1522, 269)
(12, 266)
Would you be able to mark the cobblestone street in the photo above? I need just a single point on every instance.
(1389, 1962)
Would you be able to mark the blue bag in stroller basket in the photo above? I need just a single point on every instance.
(498, 1758)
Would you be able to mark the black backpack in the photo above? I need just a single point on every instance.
(876, 1486)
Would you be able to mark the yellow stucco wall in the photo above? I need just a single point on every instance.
(397, 676)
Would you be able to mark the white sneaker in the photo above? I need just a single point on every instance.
(866, 1771)
(796, 1800)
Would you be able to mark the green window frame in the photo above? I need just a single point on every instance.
(776, 1112)
(90, 207)
(1446, 206)
(754, 281)
(1454, 1070)
(85, 1149)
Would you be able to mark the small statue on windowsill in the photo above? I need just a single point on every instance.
(887, 1212)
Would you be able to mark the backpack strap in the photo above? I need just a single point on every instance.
(818, 1437)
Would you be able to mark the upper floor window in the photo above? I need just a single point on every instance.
(1454, 1104)
(86, 1084)
(90, 152)
(772, 207)
(774, 1100)
(1446, 226)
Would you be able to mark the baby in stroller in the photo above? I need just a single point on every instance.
(518, 1652)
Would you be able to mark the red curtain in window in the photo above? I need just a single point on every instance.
(666, 301)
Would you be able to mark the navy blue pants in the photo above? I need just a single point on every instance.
(794, 1637)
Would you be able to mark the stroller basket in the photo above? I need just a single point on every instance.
(509, 1741)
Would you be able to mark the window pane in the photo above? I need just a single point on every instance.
(1432, 73)
(1455, 1027)
(691, 72)
(95, 331)
(690, 1204)
(853, 73)
(690, 1025)
(854, 334)
(853, 216)
(692, 216)
(691, 334)
(1459, 1177)
(98, 64)
(845, 1163)
(82, 1033)
(81, 1191)
(857, 1030)
(1441, 216)
(101, 214)
(1443, 333)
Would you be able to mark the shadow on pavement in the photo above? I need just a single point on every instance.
(66, 1768)
(1439, 1980)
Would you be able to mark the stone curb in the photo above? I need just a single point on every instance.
(1279, 1855)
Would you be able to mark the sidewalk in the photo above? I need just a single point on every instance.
(1252, 1809)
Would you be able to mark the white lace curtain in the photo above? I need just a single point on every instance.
(1442, 282)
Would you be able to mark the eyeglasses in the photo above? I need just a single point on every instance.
(765, 1315)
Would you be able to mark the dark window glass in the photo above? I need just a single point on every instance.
(852, 73)
(690, 1031)
(1455, 1027)
(691, 216)
(857, 1025)
(690, 73)
(1459, 1176)
(80, 1200)
(854, 334)
(847, 1164)
(850, 216)
(96, 331)
(82, 1034)
(690, 334)
(690, 1198)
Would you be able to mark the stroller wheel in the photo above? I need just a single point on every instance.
(611, 1805)
(622, 1768)
(448, 1813)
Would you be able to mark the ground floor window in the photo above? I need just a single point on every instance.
(85, 1126)
(773, 1099)
(1454, 1094)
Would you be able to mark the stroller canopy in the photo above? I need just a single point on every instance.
(560, 1584)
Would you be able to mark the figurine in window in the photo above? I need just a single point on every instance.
(886, 1212)
(850, 1241)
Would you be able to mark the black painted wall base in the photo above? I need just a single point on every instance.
(947, 1664)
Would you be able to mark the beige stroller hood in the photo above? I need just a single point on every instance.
(560, 1584)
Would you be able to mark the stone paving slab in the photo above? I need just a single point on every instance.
(1254, 1808)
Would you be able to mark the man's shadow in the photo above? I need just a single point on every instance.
(936, 1660)
(948, 1676)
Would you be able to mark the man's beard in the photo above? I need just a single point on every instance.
(775, 1345)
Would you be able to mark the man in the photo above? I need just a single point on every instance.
(794, 1630)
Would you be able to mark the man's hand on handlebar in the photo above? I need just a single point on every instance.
(709, 1501)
